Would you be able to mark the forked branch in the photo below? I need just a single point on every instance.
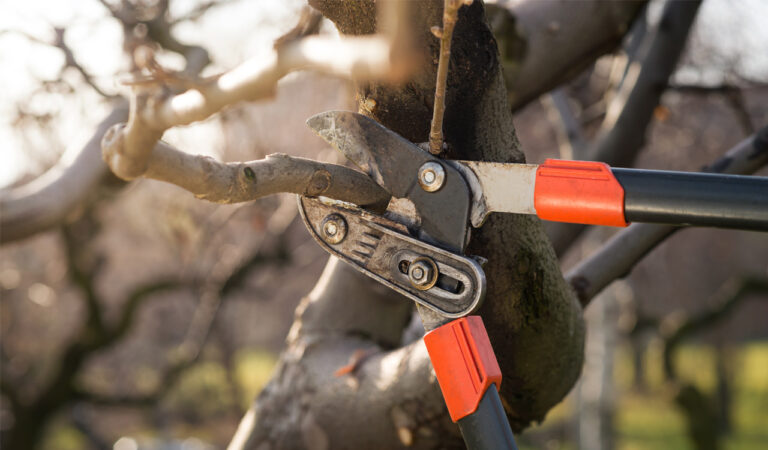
(131, 150)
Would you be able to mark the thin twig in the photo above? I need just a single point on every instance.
(569, 133)
(450, 16)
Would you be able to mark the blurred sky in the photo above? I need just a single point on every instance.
(732, 33)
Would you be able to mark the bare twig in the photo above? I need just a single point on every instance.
(569, 133)
(445, 34)
(71, 61)
(200, 10)
(617, 257)
(69, 57)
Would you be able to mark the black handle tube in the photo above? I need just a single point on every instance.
(487, 428)
(699, 199)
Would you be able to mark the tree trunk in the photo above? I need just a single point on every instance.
(389, 398)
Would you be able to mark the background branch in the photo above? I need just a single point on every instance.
(543, 46)
(725, 301)
(623, 250)
(629, 113)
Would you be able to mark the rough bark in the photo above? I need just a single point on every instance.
(391, 399)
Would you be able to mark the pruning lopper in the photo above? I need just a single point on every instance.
(417, 246)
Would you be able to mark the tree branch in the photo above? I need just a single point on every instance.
(622, 133)
(445, 34)
(626, 248)
(727, 298)
(543, 46)
(52, 197)
(129, 148)
(567, 128)
(240, 182)
(135, 300)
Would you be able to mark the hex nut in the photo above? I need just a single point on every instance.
(422, 273)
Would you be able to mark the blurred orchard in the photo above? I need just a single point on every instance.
(149, 319)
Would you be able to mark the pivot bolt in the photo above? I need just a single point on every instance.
(334, 228)
(431, 176)
(422, 273)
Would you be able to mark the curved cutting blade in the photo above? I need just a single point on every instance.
(393, 162)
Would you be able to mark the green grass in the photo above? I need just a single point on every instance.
(253, 370)
(651, 420)
(648, 420)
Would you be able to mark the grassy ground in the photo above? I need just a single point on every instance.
(644, 420)
(649, 419)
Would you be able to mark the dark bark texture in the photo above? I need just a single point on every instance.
(391, 399)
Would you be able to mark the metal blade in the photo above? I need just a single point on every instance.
(394, 163)
(371, 146)
(499, 187)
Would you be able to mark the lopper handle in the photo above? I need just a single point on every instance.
(487, 427)
(593, 193)
(469, 376)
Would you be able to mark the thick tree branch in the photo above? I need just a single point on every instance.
(246, 181)
(620, 253)
(62, 190)
(544, 44)
(623, 131)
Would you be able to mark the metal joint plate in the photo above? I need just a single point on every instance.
(381, 249)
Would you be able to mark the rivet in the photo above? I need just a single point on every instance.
(431, 176)
(333, 228)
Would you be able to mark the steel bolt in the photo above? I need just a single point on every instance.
(422, 273)
(431, 176)
(334, 228)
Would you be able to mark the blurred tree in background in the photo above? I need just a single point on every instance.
(133, 314)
